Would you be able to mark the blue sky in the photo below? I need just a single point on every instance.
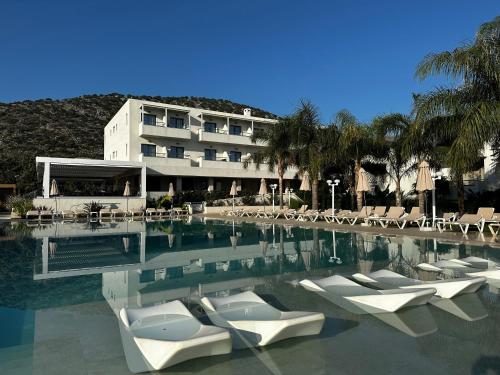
(359, 55)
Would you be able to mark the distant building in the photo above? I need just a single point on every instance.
(192, 148)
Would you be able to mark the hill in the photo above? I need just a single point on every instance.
(71, 128)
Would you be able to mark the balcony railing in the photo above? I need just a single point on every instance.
(162, 131)
(223, 136)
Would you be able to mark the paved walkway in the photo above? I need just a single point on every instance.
(472, 238)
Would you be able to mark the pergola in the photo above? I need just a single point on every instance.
(88, 169)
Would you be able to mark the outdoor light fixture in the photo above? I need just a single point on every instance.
(437, 176)
(332, 184)
(273, 187)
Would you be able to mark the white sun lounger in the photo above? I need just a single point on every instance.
(367, 299)
(385, 279)
(465, 221)
(353, 217)
(253, 322)
(160, 336)
(471, 266)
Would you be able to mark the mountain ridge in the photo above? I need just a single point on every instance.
(53, 127)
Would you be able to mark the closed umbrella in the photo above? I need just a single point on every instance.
(305, 185)
(126, 192)
(233, 191)
(363, 185)
(171, 239)
(424, 179)
(171, 190)
(263, 191)
(54, 190)
(126, 244)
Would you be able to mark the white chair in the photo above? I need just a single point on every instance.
(253, 322)
(160, 336)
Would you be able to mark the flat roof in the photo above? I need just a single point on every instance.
(205, 111)
(86, 168)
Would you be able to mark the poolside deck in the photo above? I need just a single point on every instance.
(472, 238)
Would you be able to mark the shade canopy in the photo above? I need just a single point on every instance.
(233, 191)
(54, 190)
(263, 187)
(305, 185)
(424, 177)
(171, 190)
(363, 184)
(126, 192)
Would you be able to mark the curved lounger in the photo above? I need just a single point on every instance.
(254, 322)
(385, 279)
(474, 268)
(351, 295)
(160, 336)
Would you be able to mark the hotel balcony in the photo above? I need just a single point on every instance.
(222, 136)
(162, 131)
(223, 168)
(162, 160)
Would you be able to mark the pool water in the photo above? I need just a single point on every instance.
(62, 285)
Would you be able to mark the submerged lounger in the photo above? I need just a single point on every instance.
(254, 322)
(471, 266)
(160, 336)
(367, 299)
(385, 279)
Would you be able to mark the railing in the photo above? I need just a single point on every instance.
(223, 131)
(165, 155)
(163, 125)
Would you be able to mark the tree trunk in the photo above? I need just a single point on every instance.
(421, 201)
(398, 192)
(461, 194)
(314, 193)
(281, 172)
(359, 196)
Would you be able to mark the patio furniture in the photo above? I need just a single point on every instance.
(392, 216)
(471, 266)
(353, 217)
(33, 215)
(311, 215)
(46, 215)
(68, 215)
(254, 322)
(466, 220)
(136, 213)
(160, 336)
(385, 279)
(105, 213)
(447, 218)
(117, 213)
(494, 228)
(180, 211)
(293, 214)
(151, 212)
(339, 216)
(353, 296)
(415, 216)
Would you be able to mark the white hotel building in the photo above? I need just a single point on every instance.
(193, 148)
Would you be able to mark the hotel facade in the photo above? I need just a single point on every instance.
(192, 148)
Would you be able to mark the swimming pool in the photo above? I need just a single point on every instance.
(62, 284)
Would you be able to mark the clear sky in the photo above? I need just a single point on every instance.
(359, 55)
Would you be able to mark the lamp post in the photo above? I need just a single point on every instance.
(332, 184)
(273, 187)
(437, 176)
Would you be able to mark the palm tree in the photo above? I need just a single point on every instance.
(315, 145)
(277, 151)
(356, 142)
(393, 131)
(466, 115)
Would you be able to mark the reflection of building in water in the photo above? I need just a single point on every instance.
(141, 266)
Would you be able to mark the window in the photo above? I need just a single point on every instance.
(210, 154)
(176, 122)
(210, 127)
(234, 129)
(176, 152)
(149, 119)
(235, 156)
(148, 150)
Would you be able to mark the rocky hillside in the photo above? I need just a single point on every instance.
(71, 128)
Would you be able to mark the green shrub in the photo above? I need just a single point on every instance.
(92, 206)
(19, 204)
(165, 201)
(248, 200)
(295, 204)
